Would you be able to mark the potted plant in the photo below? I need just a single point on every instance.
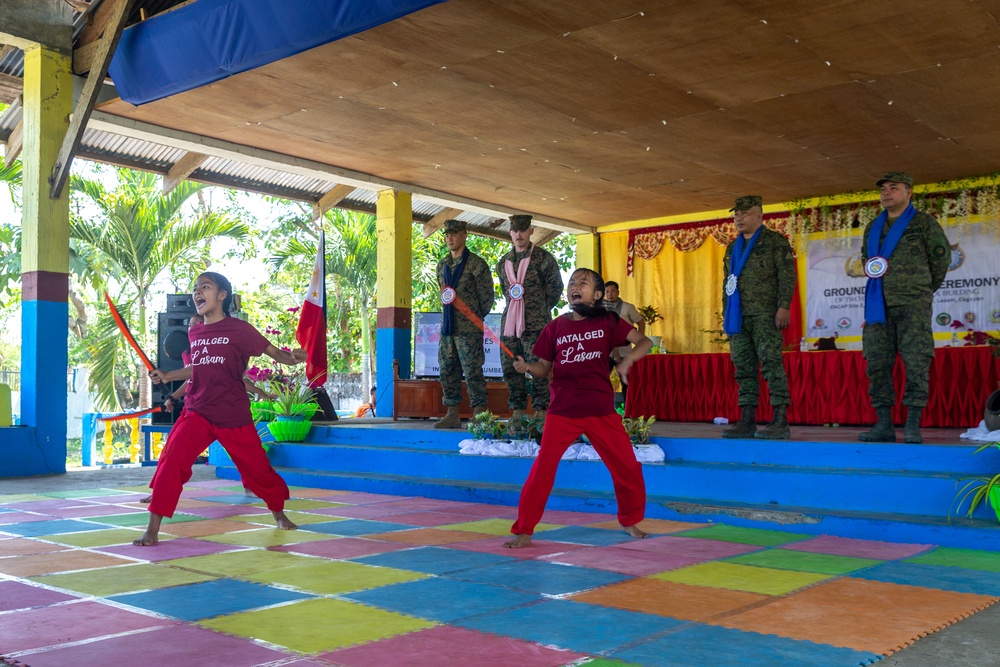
(292, 407)
(979, 490)
(526, 427)
(485, 426)
(638, 429)
(651, 316)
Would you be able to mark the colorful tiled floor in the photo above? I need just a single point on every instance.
(373, 580)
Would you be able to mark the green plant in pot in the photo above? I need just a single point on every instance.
(651, 316)
(292, 407)
(979, 490)
(638, 429)
(486, 426)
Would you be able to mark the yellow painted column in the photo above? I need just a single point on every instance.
(588, 252)
(47, 104)
(394, 214)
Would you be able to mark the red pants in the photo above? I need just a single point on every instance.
(189, 437)
(608, 437)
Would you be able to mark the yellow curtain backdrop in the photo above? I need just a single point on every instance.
(685, 287)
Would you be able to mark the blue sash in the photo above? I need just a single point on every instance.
(732, 323)
(451, 278)
(874, 298)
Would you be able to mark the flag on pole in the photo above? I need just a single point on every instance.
(311, 332)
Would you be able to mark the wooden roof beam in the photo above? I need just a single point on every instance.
(437, 222)
(543, 236)
(182, 169)
(13, 145)
(11, 87)
(331, 199)
(91, 89)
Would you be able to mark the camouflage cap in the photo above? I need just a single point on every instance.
(455, 226)
(747, 202)
(520, 223)
(895, 177)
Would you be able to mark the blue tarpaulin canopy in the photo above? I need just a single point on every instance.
(209, 40)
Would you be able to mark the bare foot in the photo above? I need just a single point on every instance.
(519, 542)
(148, 539)
(249, 494)
(635, 531)
(284, 523)
(147, 500)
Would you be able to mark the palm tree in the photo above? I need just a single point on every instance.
(138, 235)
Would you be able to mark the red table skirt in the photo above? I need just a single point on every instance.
(826, 387)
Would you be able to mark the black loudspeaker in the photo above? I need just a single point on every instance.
(171, 344)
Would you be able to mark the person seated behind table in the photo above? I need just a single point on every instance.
(368, 407)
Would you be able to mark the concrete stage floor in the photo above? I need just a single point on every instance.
(381, 580)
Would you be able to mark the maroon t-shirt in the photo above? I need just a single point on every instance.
(579, 351)
(220, 353)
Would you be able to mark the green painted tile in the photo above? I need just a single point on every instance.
(803, 561)
(314, 625)
(972, 559)
(240, 563)
(490, 526)
(141, 519)
(86, 493)
(301, 518)
(21, 498)
(97, 538)
(763, 538)
(124, 579)
(603, 662)
(335, 577)
(266, 537)
(766, 581)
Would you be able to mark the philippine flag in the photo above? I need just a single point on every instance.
(311, 332)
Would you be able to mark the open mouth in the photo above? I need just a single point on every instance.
(574, 297)
(198, 303)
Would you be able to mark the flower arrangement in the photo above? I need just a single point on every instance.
(485, 426)
(974, 337)
(650, 314)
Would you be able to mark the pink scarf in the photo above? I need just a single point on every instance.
(514, 326)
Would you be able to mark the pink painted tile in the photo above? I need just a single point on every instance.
(372, 511)
(455, 647)
(210, 484)
(691, 547)
(224, 511)
(538, 548)
(10, 518)
(181, 547)
(429, 505)
(198, 494)
(564, 518)
(430, 519)
(361, 498)
(173, 645)
(343, 548)
(62, 624)
(636, 563)
(486, 511)
(117, 499)
(15, 595)
(843, 546)
(88, 511)
(45, 505)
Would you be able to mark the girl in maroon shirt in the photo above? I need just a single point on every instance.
(576, 347)
(217, 408)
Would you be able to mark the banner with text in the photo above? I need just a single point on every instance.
(427, 333)
(835, 284)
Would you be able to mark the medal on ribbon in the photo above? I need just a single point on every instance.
(516, 291)
(731, 284)
(876, 267)
(447, 295)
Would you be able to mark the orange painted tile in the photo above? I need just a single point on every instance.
(18, 546)
(665, 598)
(204, 528)
(63, 561)
(654, 526)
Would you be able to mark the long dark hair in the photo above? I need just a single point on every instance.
(224, 285)
(595, 310)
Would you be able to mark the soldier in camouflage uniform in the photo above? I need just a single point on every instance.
(911, 271)
(463, 276)
(766, 283)
(530, 279)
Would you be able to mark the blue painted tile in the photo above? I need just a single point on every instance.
(444, 600)
(236, 499)
(539, 577)
(573, 625)
(211, 598)
(433, 560)
(707, 645)
(597, 537)
(356, 527)
(957, 579)
(54, 527)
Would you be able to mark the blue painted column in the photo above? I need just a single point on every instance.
(394, 213)
(48, 93)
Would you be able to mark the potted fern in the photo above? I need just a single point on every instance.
(979, 490)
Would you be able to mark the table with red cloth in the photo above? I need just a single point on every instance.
(826, 388)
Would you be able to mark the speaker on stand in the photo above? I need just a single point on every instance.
(171, 346)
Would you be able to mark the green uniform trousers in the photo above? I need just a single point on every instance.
(759, 344)
(907, 331)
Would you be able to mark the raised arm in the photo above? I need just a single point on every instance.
(538, 368)
(158, 376)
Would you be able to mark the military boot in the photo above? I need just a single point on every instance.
(883, 430)
(515, 421)
(746, 426)
(778, 428)
(479, 409)
(450, 420)
(911, 432)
